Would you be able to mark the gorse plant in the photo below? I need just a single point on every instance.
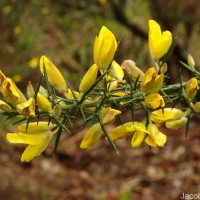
(46, 112)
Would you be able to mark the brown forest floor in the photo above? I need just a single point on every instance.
(100, 174)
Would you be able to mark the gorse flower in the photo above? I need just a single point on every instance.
(152, 82)
(159, 42)
(154, 101)
(172, 118)
(27, 108)
(105, 46)
(191, 88)
(88, 79)
(133, 71)
(93, 135)
(36, 135)
(11, 92)
(55, 78)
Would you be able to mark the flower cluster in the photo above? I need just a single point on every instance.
(104, 93)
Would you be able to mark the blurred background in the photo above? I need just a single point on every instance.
(64, 31)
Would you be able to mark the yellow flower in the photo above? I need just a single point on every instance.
(133, 71)
(4, 107)
(43, 103)
(105, 46)
(55, 78)
(33, 62)
(191, 88)
(152, 82)
(11, 93)
(17, 78)
(175, 124)
(159, 42)
(155, 137)
(92, 136)
(102, 2)
(109, 114)
(170, 117)
(127, 129)
(154, 101)
(36, 135)
(88, 79)
(17, 30)
(116, 74)
(138, 138)
(196, 107)
(27, 108)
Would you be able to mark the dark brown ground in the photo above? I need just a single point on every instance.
(100, 174)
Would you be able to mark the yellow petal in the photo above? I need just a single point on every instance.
(89, 78)
(159, 43)
(155, 137)
(92, 136)
(175, 124)
(69, 94)
(55, 78)
(133, 71)
(36, 127)
(4, 106)
(2, 78)
(24, 138)
(105, 46)
(154, 101)
(109, 114)
(11, 93)
(196, 107)
(126, 129)
(116, 71)
(27, 108)
(191, 88)
(43, 103)
(166, 114)
(34, 150)
(30, 90)
(137, 138)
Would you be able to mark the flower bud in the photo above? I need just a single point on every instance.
(152, 82)
(133, 71)
(55, 78)
(88, 79)
(190, 61)
(191, 88)
(159, 42)
(116, 71)
(43, 103)
(105, 46)
(30, 90)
